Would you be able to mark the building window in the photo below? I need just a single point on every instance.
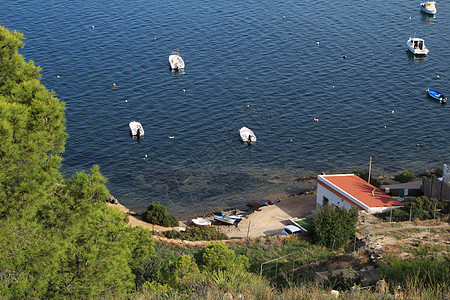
(325, 201)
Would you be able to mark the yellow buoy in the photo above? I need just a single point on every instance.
(92, 26)
(57, 76)
(248, 105)
(126, 100)
(316, 120)
(246, 77)
(114, 84)
(332, 86)
(437, 76)
(284, 17)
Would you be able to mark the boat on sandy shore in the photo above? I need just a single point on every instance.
(200, 222)
(428, 7)
(417, 46)
(226, 220)
(136, 128)
(247, 135)
(176, 61)
(436, 95)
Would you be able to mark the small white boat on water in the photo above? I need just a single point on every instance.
(226, 220)
(136, 128)
(417, 46)
(247, 135)
(176, 62)
(200, 222)
(428, 7)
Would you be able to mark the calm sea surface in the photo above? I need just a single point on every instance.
(245, 66)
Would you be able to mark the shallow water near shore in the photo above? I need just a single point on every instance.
(245, 66)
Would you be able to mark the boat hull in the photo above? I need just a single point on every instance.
(200, 222)
(247, 135)
(136, 128)
(437, 96)
(417, 46)
(226, 220)
(176, 62)
(428, 8)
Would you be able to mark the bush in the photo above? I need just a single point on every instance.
(333, 226)
(196, 234)
(219, 257)
(405, 176)
(157, 214)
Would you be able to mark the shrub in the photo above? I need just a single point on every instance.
(181, 273)
(196, 234)
(219, 257)
(405, 176)
(157, 214)
(333, 226)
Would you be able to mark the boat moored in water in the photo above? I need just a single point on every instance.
(428, 7)
(436, 95)
(176, 61)
(417, 46)
(247, 135)
(136, 128)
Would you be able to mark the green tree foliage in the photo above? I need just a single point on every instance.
(205, 233)
(182, 273)
(219, 257)
(59, 239)
(405, 176)
(156, 213)
(421, 207)
(31, 132)
(334, 225)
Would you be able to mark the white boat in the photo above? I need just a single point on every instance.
(247, 135)
(176, 62)
(226, 220)
(136, 128)
(417, 46)
(200, 222)
(428, 7)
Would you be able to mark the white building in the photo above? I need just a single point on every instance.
(349, 190)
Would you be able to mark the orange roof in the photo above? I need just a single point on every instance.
(358, 188)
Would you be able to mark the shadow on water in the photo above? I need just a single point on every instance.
(415, 59)
(428, 19)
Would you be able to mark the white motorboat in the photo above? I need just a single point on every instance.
(428, 7)
(247, 135)
(136, 128)
(226, 220)
(176, 62)
(417, 46)
(200, 222)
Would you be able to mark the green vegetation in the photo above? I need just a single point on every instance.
(306, 223)
(196, 234)
(405, 176)
(422, 208)
(334, 226)
(365, 175)
(156, 213)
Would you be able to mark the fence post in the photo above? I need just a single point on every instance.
(333, 245)
(248, 229)
(434, 216)
(429, 234)
(368, 239)
(390, 218)
(276, 269)
(354, 244)
(410, 213)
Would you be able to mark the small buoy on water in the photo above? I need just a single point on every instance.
(154, 38)
(114, 84)
(317, 43)
(344, 56)
(130, 69)
(284, 17)
(145, 155)
(332, 86)
(171, 137)
(410, 18)
(246, 77)
(393, 111)
(92, 26)
(437, 76)
(248, 105)
(417, 145)
(126, 100)
(316, 120)
(291, 140)
(385, 126)
(57, 76)
(184, 91)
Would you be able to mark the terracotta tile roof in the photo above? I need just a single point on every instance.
(361, 190)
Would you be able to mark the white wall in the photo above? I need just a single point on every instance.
(333, 199)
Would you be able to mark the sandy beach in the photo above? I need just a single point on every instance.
(265, 221)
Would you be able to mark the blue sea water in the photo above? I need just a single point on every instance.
(246, 65)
